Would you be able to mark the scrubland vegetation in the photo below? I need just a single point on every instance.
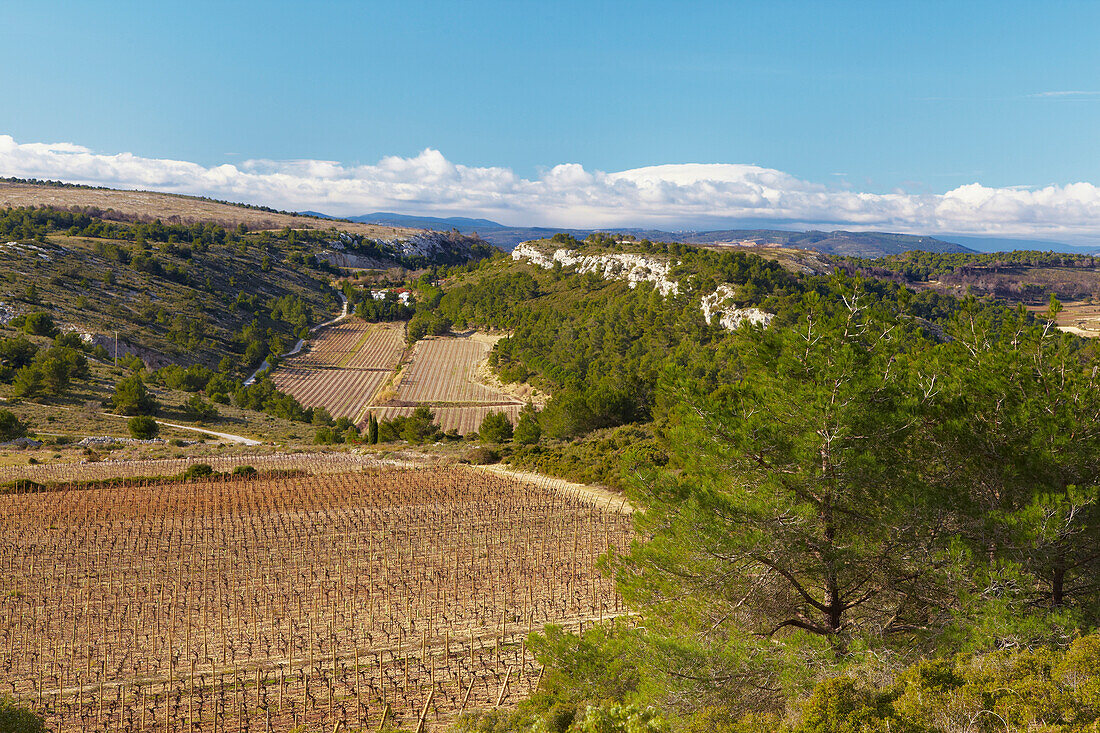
(1020, 276)
(880, 513)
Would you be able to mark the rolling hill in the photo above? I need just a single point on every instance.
(184, 279)
(116, 205)
(845, 243)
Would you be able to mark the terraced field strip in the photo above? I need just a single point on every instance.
(356, 343)
(273, 603)
(344, 368)
(342, 392)
(465, 419)
(445, 370)
(336, 342)
(381, 349)
(343, 362)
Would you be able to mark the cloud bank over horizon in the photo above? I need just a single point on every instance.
(697, 195)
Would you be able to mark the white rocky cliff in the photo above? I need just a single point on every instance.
(636, 268)
(633, 268)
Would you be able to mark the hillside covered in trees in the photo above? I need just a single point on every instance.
(1019, 276)
(185, 293)
(879, 512)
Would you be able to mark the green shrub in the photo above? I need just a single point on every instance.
(528, 431)
(191, 379)
(132, 398)
(198, 471)
(838, 706)
(198, 410)
(11, 427)
(17, 352)
(495, 428)
(419, 427)
(321, 417)
(21, 486)
(620, 719)
(39, 324)
(143, 427)
(17, 719)
(325, 436)
(482, 456)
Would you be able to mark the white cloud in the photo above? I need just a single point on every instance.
(1066, 95)
(569, 195)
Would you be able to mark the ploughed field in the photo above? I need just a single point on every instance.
(442, 374)
(351, 370)
(1078, 317)
(268, 603)
(356, 344)
(344, 367)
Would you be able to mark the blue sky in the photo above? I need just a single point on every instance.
(880, 98)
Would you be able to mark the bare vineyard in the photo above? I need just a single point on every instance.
(344, 367)
(268, 604)
(315, 464)
(444, 370)
(356, 344)
(343, 392)
(442, 374)
(348, 367)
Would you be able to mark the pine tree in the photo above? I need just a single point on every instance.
(1019, 431)
(795, 505)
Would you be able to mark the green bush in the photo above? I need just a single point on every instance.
(198, 410)
(263, 396)
(839, 706)
(495, 428)
(17, 352)
(39, 324)
(482, 456)
(51, 372)
(198, 471)
(17, 719)
(528, 431)
(191, 379)
(143, 427)
(321, 417)
(418, 428)
(21, 486)
(132, 398)
(10, 426)
(426, 323)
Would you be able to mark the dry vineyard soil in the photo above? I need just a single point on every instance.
(274, 602)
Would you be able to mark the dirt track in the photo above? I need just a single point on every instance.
(598, 495)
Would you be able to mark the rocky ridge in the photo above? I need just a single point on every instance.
(636, 268)
(445, 248)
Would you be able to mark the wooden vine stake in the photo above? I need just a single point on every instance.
(424, 712)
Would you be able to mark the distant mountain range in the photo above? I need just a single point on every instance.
(1001, 244)
(858, 244)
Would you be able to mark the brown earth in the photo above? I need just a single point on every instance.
(1079, 317)
(272, 603)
